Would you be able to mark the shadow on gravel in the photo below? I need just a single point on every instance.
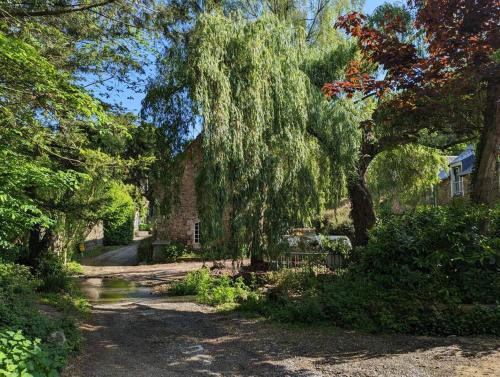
(155, 338)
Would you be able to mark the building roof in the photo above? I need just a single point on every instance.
(464, 155)
(444, 173)
(466, 159)
(467, 171)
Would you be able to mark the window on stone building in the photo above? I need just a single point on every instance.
(197, 234)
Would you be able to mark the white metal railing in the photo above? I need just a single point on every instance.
(299, 259)
(312, 252)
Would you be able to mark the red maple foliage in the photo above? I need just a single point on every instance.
(460, 36)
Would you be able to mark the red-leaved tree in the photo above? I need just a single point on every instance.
(460, 50)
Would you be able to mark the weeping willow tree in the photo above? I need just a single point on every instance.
(263, 172)
(402, 176)
(273, 149)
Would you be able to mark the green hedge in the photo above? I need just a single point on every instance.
(434, 270)
(454, 251)
(119, 218)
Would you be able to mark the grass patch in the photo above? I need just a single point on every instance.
(74, 304)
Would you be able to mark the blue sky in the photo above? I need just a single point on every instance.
(131, 100)
(370, 5)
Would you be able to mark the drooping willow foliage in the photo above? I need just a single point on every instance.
(404, 175)
(263, 172)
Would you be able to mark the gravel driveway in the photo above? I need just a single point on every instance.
(147, 335)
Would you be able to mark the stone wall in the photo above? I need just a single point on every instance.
(94, 236)
(179, 225)
(444, 190)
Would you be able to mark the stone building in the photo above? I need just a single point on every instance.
(456, 180)
(183, 222)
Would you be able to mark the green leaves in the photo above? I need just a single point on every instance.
(28, 77)
(404, 174)
(59, 147)
(24, 186)
(119, 216)
(248, 85)
(21, 356)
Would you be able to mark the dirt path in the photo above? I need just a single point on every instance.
(123, 256)
(146, 335)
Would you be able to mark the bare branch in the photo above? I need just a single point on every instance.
(52, 12)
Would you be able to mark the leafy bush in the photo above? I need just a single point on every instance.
(340, 247)
(145, 227)
(455, 247)
(210, 289)
(224, 290)
(194, 283)
(18, 312)
(21, 356)
(431, 271)
(53, 275)
(173, 251)
(119, 217)
(16, 280)
(74, 268)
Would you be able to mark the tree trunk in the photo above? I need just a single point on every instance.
(39, 243)
(362, 211)
(256, 250)
(485, 181)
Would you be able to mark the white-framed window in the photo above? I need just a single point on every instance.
(457, 188)
(197, 232)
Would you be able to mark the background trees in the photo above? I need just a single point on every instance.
(62, 147)
(439, 77)
(265, 138)
(345, 134)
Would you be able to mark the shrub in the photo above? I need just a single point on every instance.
(212, 290)
(53, 275)
(430, 271)
(21, 356)
(194, 283)
(173, 251)
(74, 268)
(224, 290)
(145, 227)
(119, 217)
(340, 247)
(16, 280)
(19, 318)
(455, 247)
